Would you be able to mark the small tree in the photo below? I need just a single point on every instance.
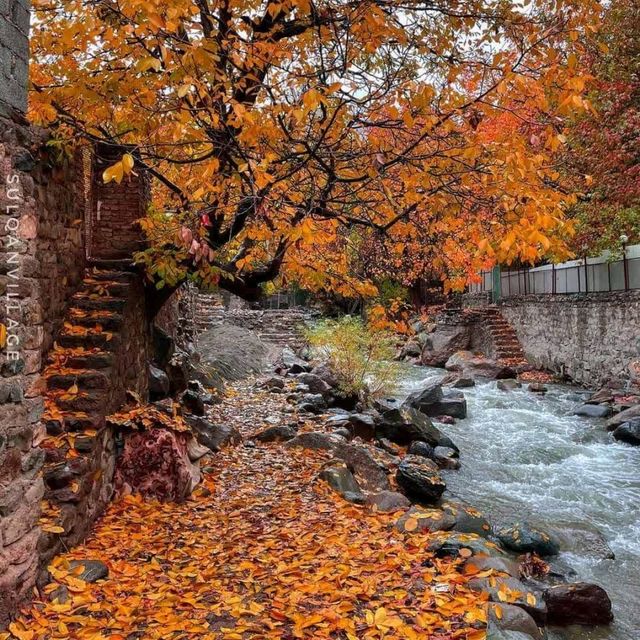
(360, 357)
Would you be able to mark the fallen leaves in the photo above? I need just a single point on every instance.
(260, 551)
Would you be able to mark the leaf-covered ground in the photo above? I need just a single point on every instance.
(262, 550)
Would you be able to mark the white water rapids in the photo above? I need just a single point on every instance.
(525, 456)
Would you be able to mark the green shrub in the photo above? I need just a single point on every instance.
(361, 358)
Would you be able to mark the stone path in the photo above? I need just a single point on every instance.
(262, 550)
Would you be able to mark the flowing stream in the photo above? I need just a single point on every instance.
(525, 456)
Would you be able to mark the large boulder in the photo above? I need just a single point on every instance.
(629, 432)
(315, 383)
(155, 464)
(623, 416)
(338, 476)
(312, 403)
(476, 366)
(522, 537)
(214, 436)
(423, 519)
(578, 603)
(404, 425)
(450, 544)
(359, 425)
(443, 342)
(433, 402)
(419, 479)
(292, 362)
(162, 345)
(371, 473)
(277, 433)
(324, 372)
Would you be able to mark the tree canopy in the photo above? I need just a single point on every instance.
(284, 134)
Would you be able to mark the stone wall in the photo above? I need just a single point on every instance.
(14, 55)
(42, 262)
(593, 339)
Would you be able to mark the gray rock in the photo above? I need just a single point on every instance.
(361, 425)
(578, 603)
(593, 411)
(629, 432)
(581, 538)
(273, 383)
(404, 425)
(344, 432)
(370, 472)
(443, 342)
(601, 396)
(537, 387)
(432, 402)
(467, 519)
(419, 448)
(419, 479)
(504, 565)
(290, 360)
(463, 383)
(277, 433)
(508, 385)
(324, 372)
(214, 436)
(473, 366)
(92, 570)
(193, 402)
(446, 458)
(388, 501)
(316, 440)
(312, 403)
(450, 544)
(423, 519)
(623, 416)
(522, 537)
(315, 383)
(159, 385)
(517, 593)
(341, 480)
(430, 394)
(512, 623)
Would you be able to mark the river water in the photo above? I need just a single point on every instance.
(525, 456)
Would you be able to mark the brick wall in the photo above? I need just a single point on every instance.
(114, 233)
(594, 339)
(14, 55)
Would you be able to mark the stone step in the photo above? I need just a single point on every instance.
(100, 304)
(114, 289)
(109, 321)
(111, 275)
(97, 360)
(101, 340)
(83, 379)
(89, 402)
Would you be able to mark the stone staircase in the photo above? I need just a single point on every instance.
(503, 337)
(276, 327)
(86, 377)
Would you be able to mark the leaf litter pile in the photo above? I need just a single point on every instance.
(261, 550)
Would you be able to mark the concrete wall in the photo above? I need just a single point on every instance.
(14, 55)
(594, 339)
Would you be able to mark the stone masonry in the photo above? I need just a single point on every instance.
(593, 339)
(14, 55)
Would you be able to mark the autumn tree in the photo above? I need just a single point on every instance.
(275, 128)
(604, 154)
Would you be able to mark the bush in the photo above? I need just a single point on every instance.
(360, 357)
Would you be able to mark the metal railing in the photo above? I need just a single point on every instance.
(590, 275)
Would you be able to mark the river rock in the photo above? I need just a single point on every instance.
(92, 570)
(623, 416)
(522, 537)
(628, 432)
(582, 538)
(449, 543)
(433, 402)
(578, 603)
(601, 396)
(318, 440)
(388, 501)
(508, 622)
(537, 387)
(370, 472)
(422, 519)
(478, 564)
(292, 362)
(361, 425)
(508, 385)
(514, 592)
(467, 519)
(312, 403)
(419, 448)
(277, 433)
(475, 366)
(446, 458)
(324, 372)
(341, 480)
(593, 411)
(419, 479)
(404, 425)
